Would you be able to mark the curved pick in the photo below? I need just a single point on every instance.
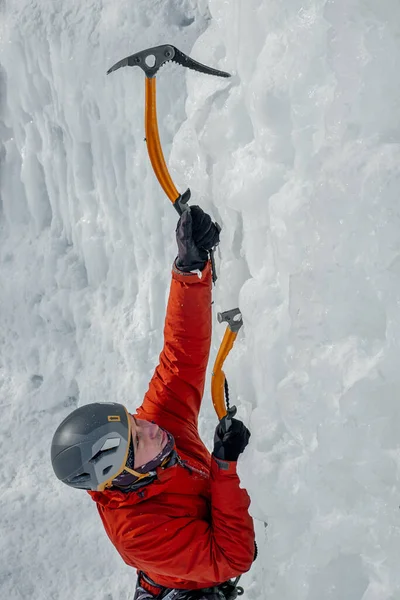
(185, 61)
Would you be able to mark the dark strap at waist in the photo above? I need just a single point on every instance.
(147, 589)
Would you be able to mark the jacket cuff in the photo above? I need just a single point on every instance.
(191, 277)
(228, 466)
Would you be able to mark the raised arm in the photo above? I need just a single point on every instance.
(176, 389)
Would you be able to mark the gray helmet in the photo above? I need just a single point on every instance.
(90, 447)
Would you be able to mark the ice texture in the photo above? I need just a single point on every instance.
(297, 156)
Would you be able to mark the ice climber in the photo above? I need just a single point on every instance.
(174, 512)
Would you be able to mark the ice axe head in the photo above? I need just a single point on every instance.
(226, 421)
(152, 59)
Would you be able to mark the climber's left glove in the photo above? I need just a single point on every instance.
(229, 444)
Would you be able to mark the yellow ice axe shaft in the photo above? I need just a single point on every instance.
(234, 319)
(218, 376)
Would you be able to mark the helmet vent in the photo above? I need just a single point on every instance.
(107, 470)
(101, 454)
(110, 443)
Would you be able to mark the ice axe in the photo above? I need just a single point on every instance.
(150, 61)
(219, 384)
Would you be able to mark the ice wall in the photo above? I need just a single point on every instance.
(297, 155)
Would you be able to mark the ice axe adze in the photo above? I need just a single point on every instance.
(150, 61)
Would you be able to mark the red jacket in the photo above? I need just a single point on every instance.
(189, 529)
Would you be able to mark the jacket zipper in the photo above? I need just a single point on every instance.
(191, 468)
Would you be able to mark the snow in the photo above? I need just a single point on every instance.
(298, 157)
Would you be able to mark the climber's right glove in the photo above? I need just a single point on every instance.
(196, 234)
(229, 444)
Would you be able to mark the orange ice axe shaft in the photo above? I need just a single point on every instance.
(234, 319)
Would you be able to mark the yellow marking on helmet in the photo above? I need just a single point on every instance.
(113, 418)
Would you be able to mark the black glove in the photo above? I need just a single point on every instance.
(195, 235)
(228, 446)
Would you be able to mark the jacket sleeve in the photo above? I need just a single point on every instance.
(176, 388)
(203, 551)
